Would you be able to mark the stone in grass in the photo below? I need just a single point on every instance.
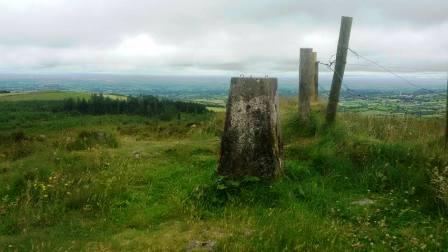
(201, 245)
(137, 154)
(251, 144)
(363, 202)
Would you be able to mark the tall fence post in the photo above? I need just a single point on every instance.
(341, 59)
(306, 80)
(251, 143)
(315, 93)
(446, 116)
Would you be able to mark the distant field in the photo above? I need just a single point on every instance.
(416, 104)
(49, 96)
(217, 109)
(213, 104)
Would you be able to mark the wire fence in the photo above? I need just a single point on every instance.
(350, 93)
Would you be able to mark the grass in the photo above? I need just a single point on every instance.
(128, 183)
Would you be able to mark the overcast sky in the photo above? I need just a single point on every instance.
(217, 36)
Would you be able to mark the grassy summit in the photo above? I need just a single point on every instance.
(131, 183)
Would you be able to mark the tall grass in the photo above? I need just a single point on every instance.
(151, 184)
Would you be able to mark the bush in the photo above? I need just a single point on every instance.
(18, 136)
(18, 144)
(439, 180)
(89, 139)
(223, 190)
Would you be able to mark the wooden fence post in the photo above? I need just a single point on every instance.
(446, 116)
(315, 92)
(341, 60)
(251, 144)
(306, 80)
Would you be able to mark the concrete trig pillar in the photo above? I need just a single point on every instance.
(251, 144)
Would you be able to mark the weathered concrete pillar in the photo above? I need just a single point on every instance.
(306, 81)
(251, 144)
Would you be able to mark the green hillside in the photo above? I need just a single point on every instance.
(74, 182)
(49, 96)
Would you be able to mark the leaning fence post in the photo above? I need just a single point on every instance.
(306, 81)
(251, 143)
(341, 58)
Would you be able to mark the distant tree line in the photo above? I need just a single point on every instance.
(147, 105)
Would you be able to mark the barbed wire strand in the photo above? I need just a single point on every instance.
(389, 71)
(332, 61)
(395, 74)
(350, 91)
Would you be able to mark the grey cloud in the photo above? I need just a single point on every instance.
(219, 35)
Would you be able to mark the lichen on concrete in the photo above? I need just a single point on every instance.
(251, 144)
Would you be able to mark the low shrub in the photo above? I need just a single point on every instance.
(439, 180)
(89, 139)
(224, 190)
(18, 144)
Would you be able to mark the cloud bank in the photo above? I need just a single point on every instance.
(216, 37)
